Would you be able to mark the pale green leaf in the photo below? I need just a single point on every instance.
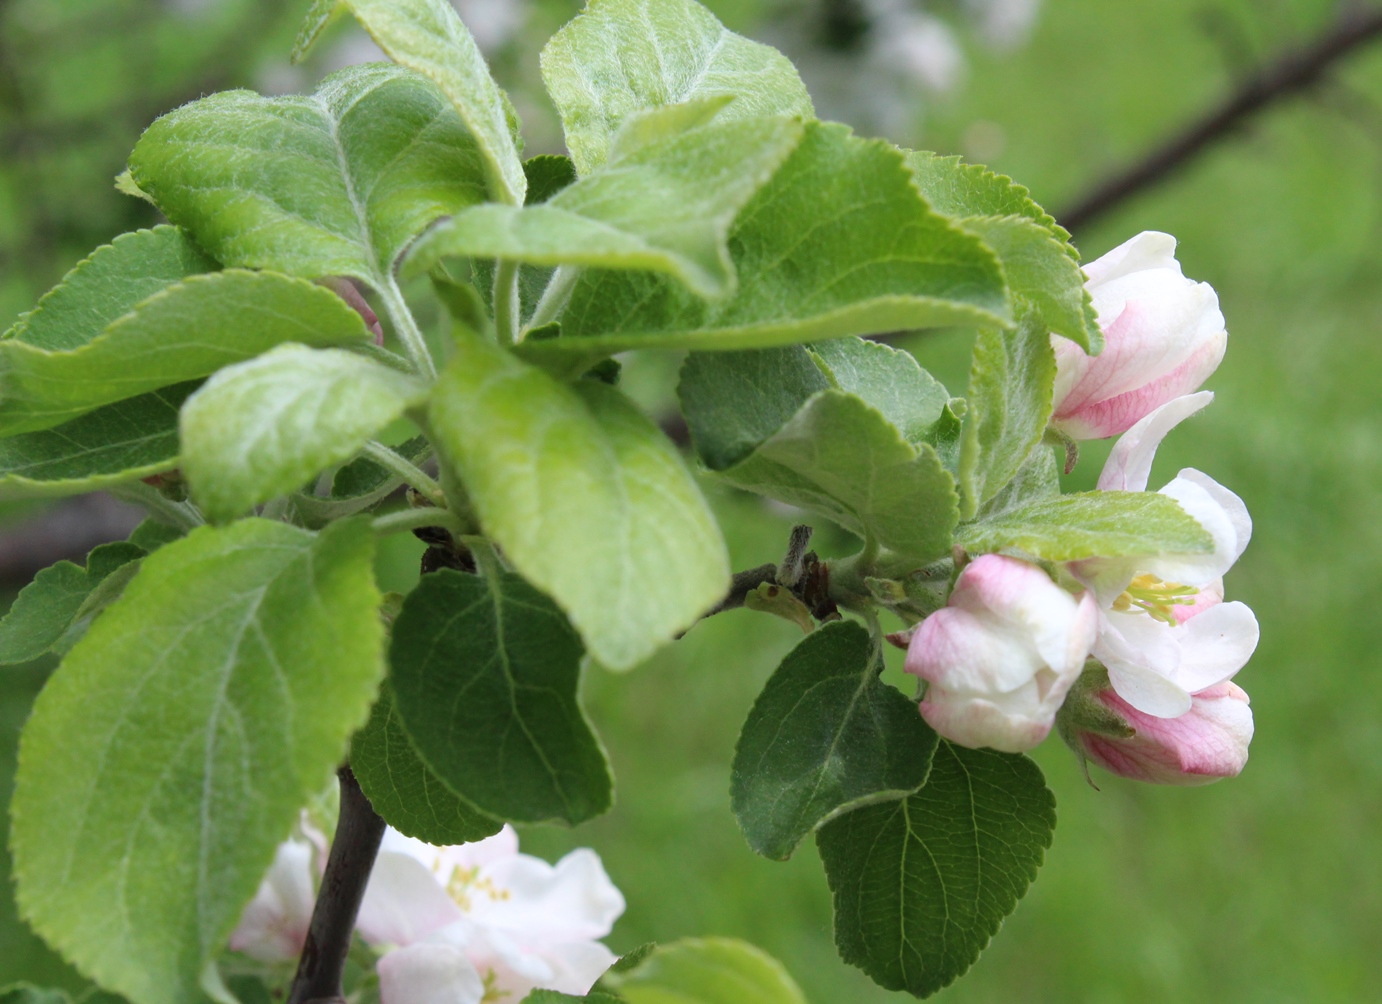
(955, 188)
(922, 884)
(585, 496)
(173, 748)
(428, 36)
(404, 790)
(1011, 389)
(484, 672)
(105, 285)
(888, 379)
(621, 57)
(336, 183)
(120, 442)
(186, 331)
(1090, 525)
(838, 243)
(665, 207)
(1037, 480)
(826, 735)
(262, 428)
(707, 971)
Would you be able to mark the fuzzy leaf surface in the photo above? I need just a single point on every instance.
(666, 207)
(838, 243)
(887, 379)
(427, 36)
(585, 496)
(404, 790)
(120, 442)
(708, 971)
(921, 885)
(188, 330)
(336, 183)
(45, 609)
(826, 735)
(172, 749)
(484, 673)
(1093, 524)
(621, 57)
(262, 428)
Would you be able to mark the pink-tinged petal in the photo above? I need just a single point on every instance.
(978, 723)
(274, 924)
(963, 652)
(429, 974)
(350, 293)
(404, 902)
(1143, 656)
(1148, 250)
(571, 901)
(1129, 465)
(1215, 645)
(1210, 595)
(1148, 691)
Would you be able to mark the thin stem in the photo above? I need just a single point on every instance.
(405, 471)
(409, 336)
(555, 296)
(183, 515)
(413, 519)
(358, 835)
(506, 305)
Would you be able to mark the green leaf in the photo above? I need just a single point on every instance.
(262, 428)
(620, 57)
(585, 496)
(1011, 389)
(955, 188)
(363, 476)
(48, 605)
(1037, 480)
(841, 458)
(547, 175)
(838, 243)
(173, 748)
(120, 442)
(889, 380)
(428, 36)
(332, 184)
(921, 885)
(708, 971)
(826, 735)
(1090, 525)
(186, 331)
(484, 673)
(404, 790)
(554, 997)
(151, 535)
(27, 993)
(666, 207)
(110, 282)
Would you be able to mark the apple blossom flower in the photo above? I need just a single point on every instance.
(274, 925)
(480, 921)
(1208, 742)
(1163, 337)
(1165, 632)
(1001, 655)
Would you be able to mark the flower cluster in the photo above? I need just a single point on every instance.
(1134, 656)
(469, 924)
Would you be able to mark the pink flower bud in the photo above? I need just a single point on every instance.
(1208, 742)
(1163, 337)
(350, 293)
(1000, 657)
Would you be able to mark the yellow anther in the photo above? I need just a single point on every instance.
(1155, 598)
(466, 882)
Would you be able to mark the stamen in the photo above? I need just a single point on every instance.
(1155, 598)
(467, 881)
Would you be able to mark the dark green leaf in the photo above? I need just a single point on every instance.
(826, 735)
(547, 175)
(485, 673)
(363, 476)
(921, 885)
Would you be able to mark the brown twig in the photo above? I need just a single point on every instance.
(348, 867)
(1293, 72)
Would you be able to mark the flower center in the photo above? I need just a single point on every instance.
(492, 992)
(1155, 598)
(468, 882)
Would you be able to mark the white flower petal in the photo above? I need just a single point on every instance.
(1149, 249)
(577, 965)
(1207, 508)
(404, 902)
(573, 901)
(1147, 691)
(1215, 645)
(429, 974)
(1130, 464)
(274, 924)
(479, 853)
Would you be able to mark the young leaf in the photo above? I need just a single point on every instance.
(1011, 389)
(121, 442)
(921, 885)
(262, 428)
(174, 746)
(27, 993)
(1092, 524)
(826, 735)
(586, 497)
(484, 673)
(332, 184)
(404, 790)
(186, 331)
(955, 188)
(666, 207)
(708, 971)
(547, 175)
(428, 36)
(1037, 480)
(47, 606)
(889, 380)
(839, 242)
(620, 57)
(363, 476)
(107, 284)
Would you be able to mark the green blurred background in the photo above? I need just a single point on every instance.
(1265, 888)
